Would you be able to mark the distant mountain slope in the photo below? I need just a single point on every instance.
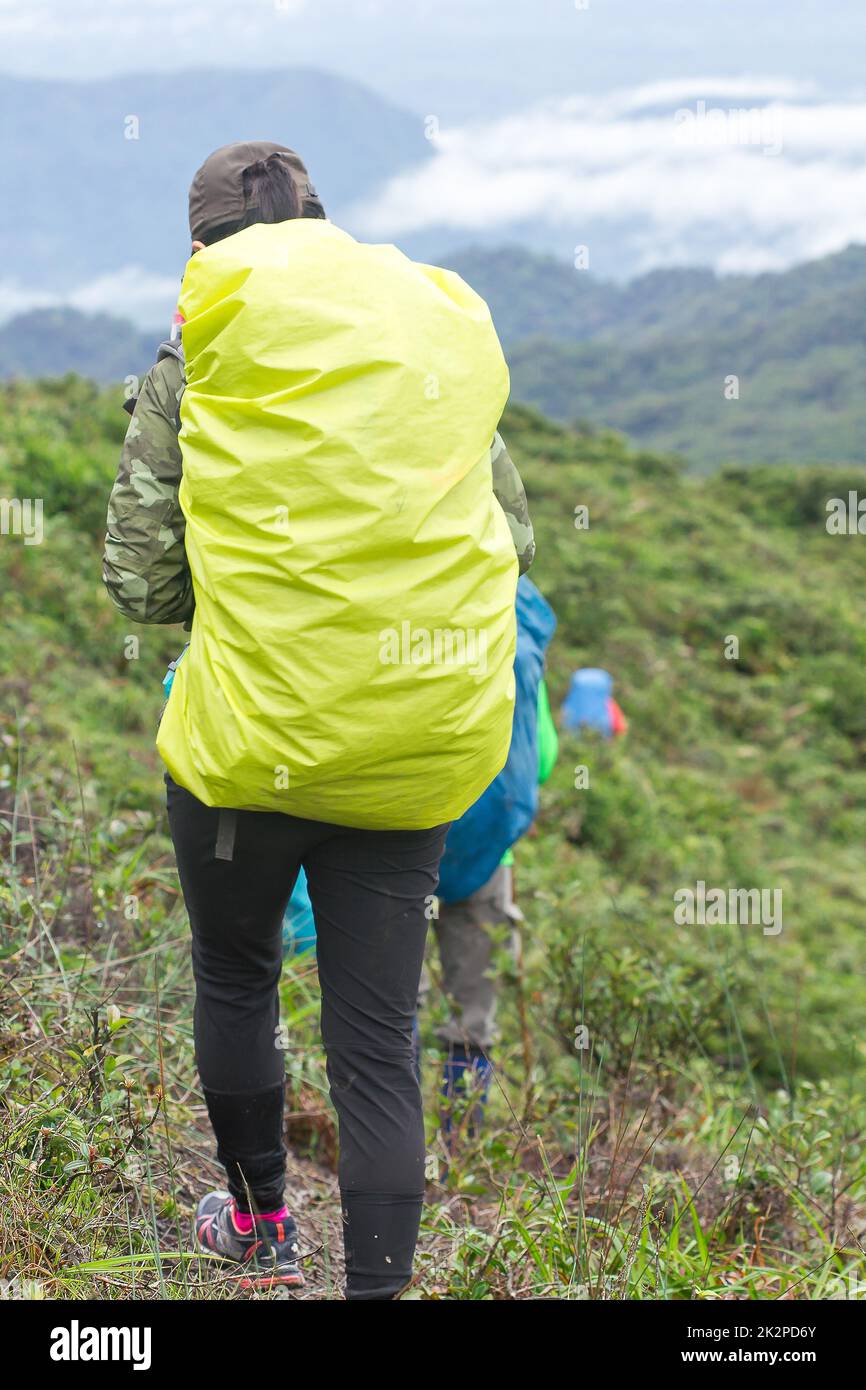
(52, 342)
(539, 296)
(649, 358)
(670, 395)
(93, 201)
(652, 358)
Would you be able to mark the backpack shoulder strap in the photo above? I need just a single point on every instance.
(172, 347)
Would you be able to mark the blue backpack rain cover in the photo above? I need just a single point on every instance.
(299, 927)
(478, 840)
(587, 701)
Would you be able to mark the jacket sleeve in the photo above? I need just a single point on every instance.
(144, 566)
(511, 497)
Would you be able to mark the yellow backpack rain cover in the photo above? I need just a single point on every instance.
(352, 648)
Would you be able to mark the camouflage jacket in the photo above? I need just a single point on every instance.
(144, 565)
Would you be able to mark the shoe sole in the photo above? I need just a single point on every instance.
(268, 1281)
(295, 1280)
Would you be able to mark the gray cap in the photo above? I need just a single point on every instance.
(216, 193)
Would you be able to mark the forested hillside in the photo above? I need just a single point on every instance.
(705, 1136)
(654, 358)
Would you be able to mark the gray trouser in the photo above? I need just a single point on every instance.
(466, 947)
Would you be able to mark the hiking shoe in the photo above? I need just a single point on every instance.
(268, 1255)
(466, 1077)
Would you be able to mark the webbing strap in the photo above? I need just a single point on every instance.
(226, 828)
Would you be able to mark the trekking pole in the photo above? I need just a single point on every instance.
(528, 1059)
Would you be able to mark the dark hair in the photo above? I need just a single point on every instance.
(271, 195)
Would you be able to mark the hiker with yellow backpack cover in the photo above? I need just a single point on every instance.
(312, 480)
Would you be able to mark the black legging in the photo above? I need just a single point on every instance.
(369, 890)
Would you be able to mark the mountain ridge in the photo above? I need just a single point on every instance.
(105, 196)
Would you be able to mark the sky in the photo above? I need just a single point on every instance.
(460, 59)
(730, 133)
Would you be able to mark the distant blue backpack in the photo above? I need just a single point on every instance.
(589, 702)
(505, 811)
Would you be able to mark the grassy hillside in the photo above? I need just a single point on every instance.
(707, 1140)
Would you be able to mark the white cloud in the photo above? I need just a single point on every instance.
(664, 96)
(754, 175)
(129, 293)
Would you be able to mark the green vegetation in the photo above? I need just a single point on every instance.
(707, 1141)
